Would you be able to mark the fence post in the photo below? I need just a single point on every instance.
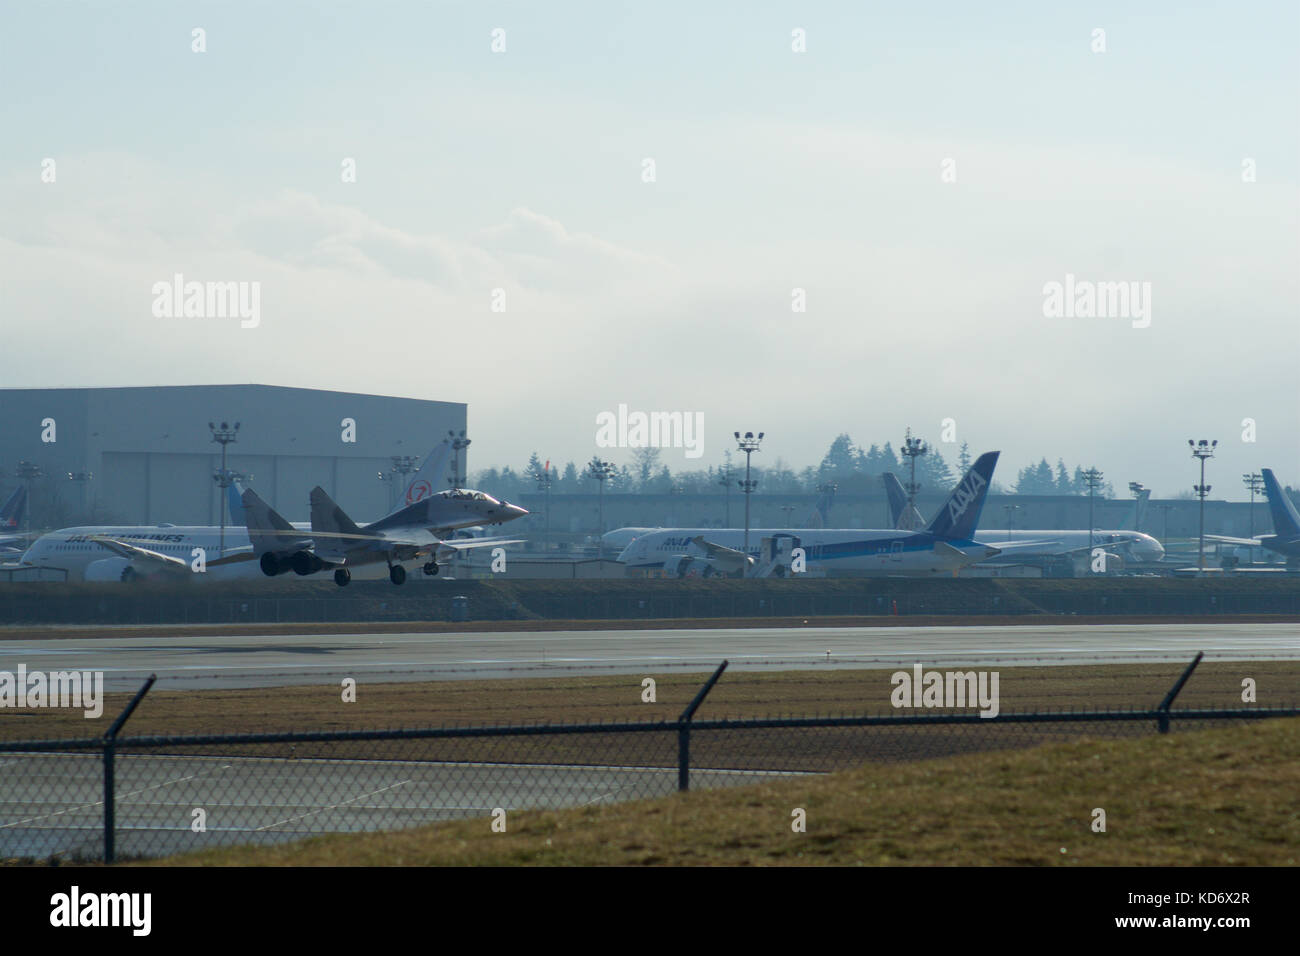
(110, 752)
(684, 730)
(1163, 720)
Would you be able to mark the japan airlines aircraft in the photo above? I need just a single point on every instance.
(126, 553)
(336, 542)
(945, 545)
(1032, 547)
(1285, 539)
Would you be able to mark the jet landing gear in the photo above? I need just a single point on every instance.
(342, 576)
(431, 568)
(397, 574)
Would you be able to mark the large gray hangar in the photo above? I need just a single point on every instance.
(152, 454)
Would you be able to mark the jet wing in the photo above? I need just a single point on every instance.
(1226, 539)
(718, 550)
(165, 562)
(465, 544)
(1016, 545)
(136, 553)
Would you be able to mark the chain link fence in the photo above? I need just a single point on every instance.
(115, 798)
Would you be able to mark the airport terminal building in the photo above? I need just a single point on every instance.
(146, 455)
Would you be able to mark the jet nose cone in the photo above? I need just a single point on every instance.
(511, 512)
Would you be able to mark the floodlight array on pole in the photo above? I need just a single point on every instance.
(601, 471)
(28, 472)
(83, 478)
(1202, 450)
(1010, 509)
(1256, 484)
(1135, 489)
(913, 448)
(748, 444)
(1092, 478)
(543, 480)
(224, 436)
(726, 479)
(458, 444)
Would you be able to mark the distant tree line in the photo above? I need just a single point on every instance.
(853, 469)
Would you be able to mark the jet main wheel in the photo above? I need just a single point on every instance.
(342, 576)
(431, 567)
(397, 574)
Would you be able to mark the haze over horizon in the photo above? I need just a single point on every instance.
(915, 178)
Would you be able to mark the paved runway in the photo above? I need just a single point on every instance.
(276, 660)
(50, 803)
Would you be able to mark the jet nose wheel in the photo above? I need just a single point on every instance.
(431, 567)
(397, 574)
(342, 576)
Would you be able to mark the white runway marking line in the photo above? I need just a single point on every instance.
(100, 803)
(335, 806)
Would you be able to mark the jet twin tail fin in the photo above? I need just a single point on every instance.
(329, 518)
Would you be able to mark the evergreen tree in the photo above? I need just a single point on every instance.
(888, 460)
(644, 463)
(933, 473)
(1062, 478)
(840, 460)
(569, 480)
(964, 459)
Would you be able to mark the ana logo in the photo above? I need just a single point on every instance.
(419, 489)
(963, 496)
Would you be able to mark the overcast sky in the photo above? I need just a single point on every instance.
(774, 170)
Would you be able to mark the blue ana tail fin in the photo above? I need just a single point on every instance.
(1286, 522)
(960, 514)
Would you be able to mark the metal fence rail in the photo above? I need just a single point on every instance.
(118, 796)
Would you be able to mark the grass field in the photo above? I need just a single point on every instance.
(619, 697)
(1208, 798)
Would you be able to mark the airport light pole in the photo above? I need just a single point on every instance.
(1010, 509)
(389, 479)
(789, 510)
(913, 448)
(28, 471)
(726, 480)
(544, 485)
(601, 471)
(224, 436)
(1166, 509)
(749, 444)
(1135, 489)
(1256, 484)
(827, 490)
(1202, 450)
(83, 478)
(458, 444)
(402, 465)
(1092, 478)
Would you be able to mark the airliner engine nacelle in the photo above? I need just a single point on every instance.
(110, 569)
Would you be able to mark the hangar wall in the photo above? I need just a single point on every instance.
(153, 457)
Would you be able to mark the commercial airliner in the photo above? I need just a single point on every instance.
(126, 553)
(1034, 547)
(945, 545)
(1285, 539)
